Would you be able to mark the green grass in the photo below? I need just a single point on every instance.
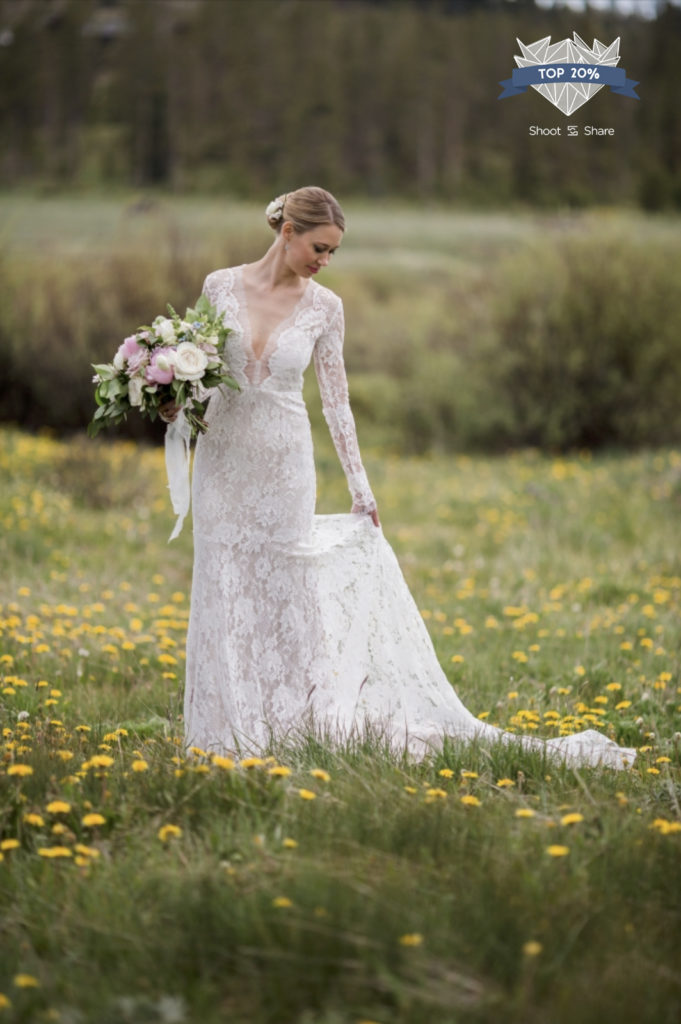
(551, 589)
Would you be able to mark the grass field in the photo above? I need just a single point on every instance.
(319, 886)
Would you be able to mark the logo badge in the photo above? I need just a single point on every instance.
(569, 73)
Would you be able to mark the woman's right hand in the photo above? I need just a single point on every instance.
(169, 412)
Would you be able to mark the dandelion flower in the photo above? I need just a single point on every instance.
(58, 807)
(571, 819)
(289, 844)
(140, 766)
(504, 783)
(92, 820)
(20, 769)
(411, 939)
(252, 762)
(34, 819)
(307, 794)
(9, 844)
(5, 1003)
(469, 800)
(532, 948)
(279, 771)
(525, 812)
(557, 851)
(282, 902)
(167, 832)
(319, 773)
(226, 763)
(55, 851)
(26, 981)
(446, 773)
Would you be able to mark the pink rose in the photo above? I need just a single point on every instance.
(160, 370)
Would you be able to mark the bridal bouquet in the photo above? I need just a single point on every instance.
(176, 359)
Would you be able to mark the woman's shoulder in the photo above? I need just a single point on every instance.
(223, 275)
(327, 298)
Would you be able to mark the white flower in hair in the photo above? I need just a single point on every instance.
(275, 209)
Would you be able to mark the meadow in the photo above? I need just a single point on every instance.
(142, 882)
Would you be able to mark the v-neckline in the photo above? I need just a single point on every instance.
(276, 329)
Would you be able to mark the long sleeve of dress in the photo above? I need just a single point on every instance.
(333, 388)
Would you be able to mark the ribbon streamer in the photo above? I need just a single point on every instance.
(177, 442)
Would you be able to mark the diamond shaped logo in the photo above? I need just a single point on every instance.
(568, 73)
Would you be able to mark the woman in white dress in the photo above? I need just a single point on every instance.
(300, 621)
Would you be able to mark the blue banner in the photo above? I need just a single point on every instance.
(573, 74)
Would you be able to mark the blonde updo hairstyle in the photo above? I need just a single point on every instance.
(306, 208)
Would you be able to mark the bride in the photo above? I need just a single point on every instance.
(299, 620)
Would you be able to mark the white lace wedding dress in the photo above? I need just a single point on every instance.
(300, 619)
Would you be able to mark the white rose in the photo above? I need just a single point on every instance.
(135, 391)
(165, 329)
(119, 360)
(190, 361)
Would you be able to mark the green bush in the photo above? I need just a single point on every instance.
(571, 342)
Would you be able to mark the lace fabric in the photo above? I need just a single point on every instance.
(300, 617)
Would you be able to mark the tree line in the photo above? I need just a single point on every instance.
(393, 98)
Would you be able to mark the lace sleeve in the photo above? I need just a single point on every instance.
(333, 388)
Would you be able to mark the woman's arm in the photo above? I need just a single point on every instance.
(333, 387)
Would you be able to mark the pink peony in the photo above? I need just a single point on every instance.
(131, 353)
(160, 370)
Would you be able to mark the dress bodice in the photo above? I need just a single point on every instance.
(314, 330)
(289, 347)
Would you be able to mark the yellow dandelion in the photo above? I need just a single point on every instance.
(26, 981)
(532, 948)
(93, 820)
(411, 939)
(557, 850)
(226, 763)
(20, 769)
(34, 819)
(251, 762)
(410, 789)
(505, 783)
(55, 851)
(436, 794)
(446, 773)
(663, 760)
(9, 844)
(525, 812)
(307, 794)
(468, 775)
(571, 819)
(279, 771)
(64, 755)
(319, 773)
(99, 761)
(167, 832)
(282, 902)
(140, 766)
(58, 807)
(470, 801)
(87, 851)
(5, 1003)
(289, 844)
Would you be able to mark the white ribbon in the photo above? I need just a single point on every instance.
(177, 441)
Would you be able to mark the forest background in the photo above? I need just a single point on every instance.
(140, 139)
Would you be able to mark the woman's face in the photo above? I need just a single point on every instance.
(308, 252)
